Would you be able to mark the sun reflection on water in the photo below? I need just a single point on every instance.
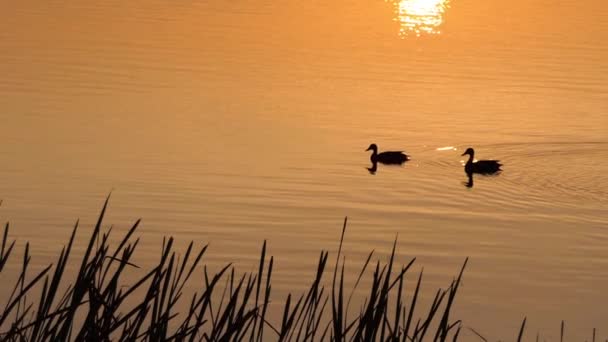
(419, 17)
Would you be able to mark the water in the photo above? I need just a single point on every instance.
(235, 122)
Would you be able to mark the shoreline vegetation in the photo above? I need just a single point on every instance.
(97, 306)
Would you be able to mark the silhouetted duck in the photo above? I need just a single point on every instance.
(388, 157)
(480, 166)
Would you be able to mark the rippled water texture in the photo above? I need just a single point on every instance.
(234, 122)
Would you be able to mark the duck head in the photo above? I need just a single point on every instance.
(470, 152)
(372, 147)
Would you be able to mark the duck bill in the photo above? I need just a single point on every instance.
(463, 154)
(368, 149)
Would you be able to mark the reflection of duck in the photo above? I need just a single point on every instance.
(480, 166)
(388, 157)
(469, 183)
(372, 170)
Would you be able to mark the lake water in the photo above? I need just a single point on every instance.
(236, 122)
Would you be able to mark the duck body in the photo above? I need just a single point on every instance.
(388, 157)
(481, 166)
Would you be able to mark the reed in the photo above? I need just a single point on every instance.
(98, 305)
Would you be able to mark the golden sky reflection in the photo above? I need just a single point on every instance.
(418, 17)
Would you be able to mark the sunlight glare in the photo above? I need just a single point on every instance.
(419, 16)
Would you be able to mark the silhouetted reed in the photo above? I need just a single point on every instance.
(97, 305)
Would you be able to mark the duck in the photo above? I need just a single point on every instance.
(480, 166)
(388, 157)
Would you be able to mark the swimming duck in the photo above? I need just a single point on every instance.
(388, 157)
(480, 166)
